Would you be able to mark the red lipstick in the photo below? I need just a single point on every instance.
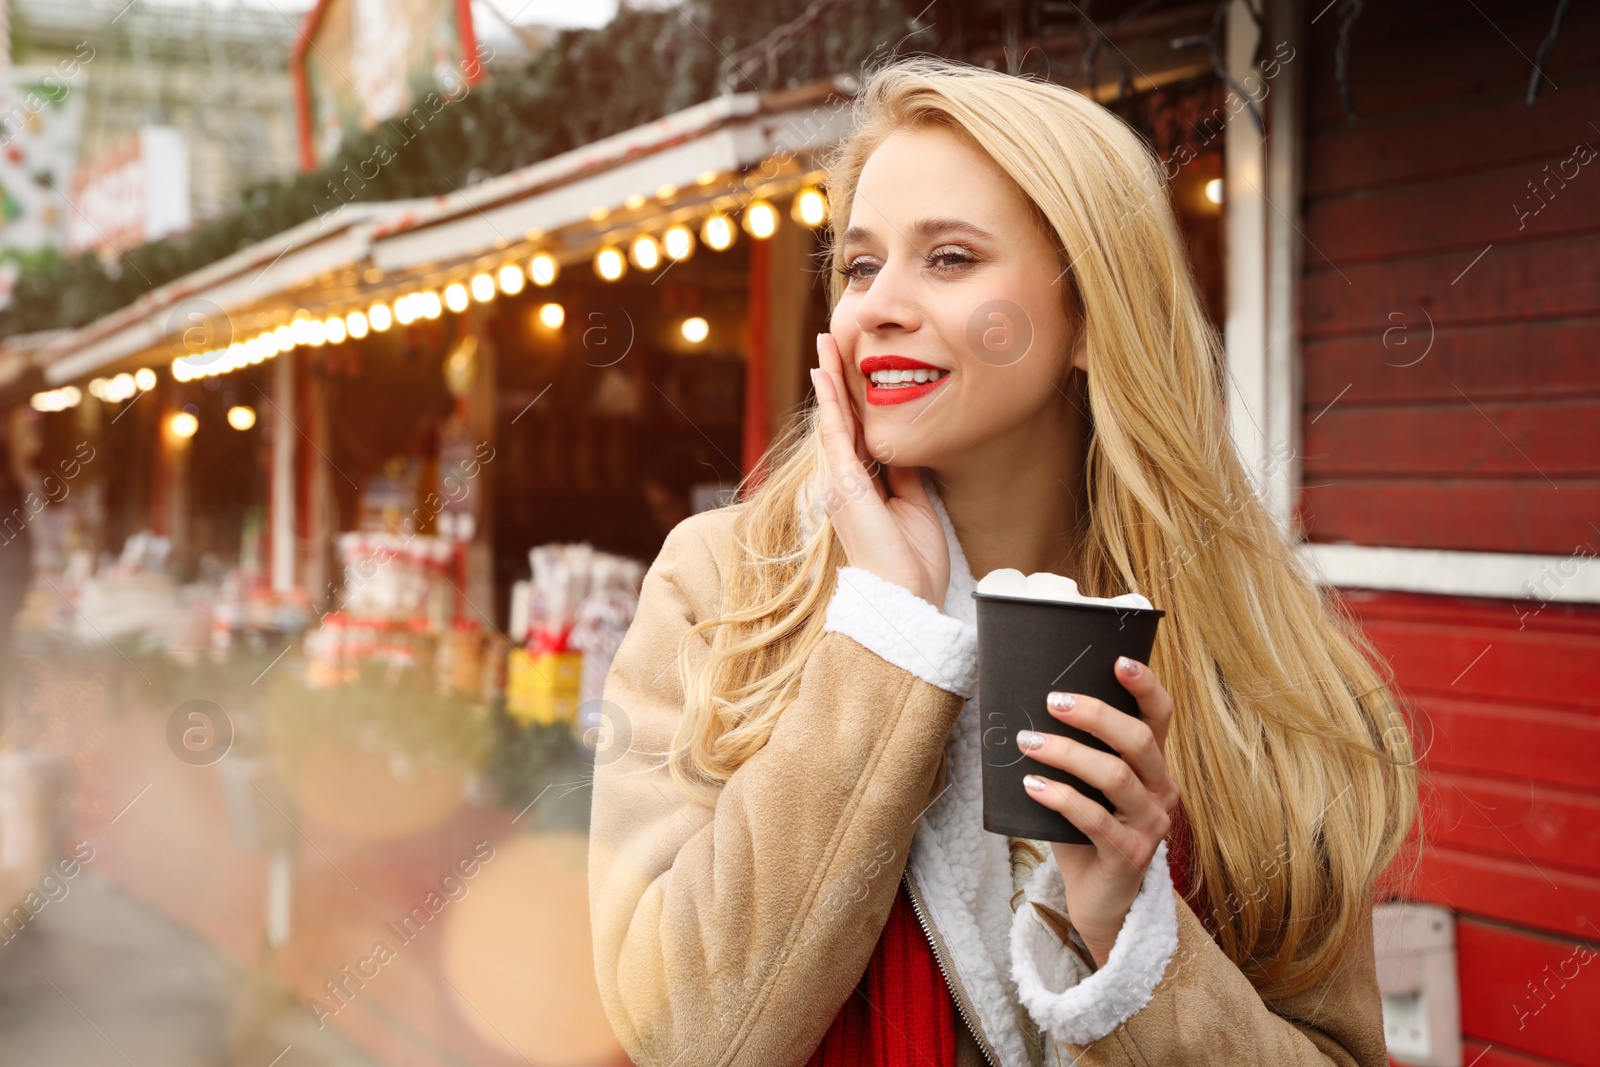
(881, 395)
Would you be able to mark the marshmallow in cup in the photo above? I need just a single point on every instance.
(1043, 585)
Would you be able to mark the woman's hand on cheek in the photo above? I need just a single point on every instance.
(897, 537)
(1101, 879)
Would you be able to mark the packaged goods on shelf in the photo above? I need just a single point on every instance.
(569, 618)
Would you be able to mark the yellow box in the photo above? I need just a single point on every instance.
(543, 688)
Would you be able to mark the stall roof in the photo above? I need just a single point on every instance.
(722, 135)
(281, 263)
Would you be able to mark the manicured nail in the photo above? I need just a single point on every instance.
(1034, 783)
(1030, 739)
(1060, 701)
(1129, 667)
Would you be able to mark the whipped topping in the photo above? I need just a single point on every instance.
(1043, 585)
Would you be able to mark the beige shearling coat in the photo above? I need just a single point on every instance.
(730, 936)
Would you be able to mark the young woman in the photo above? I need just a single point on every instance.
(788, 864)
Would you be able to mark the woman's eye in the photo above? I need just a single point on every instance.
(856, 268)
(949, 259)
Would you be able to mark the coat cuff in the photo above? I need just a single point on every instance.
(1071, 1002)
(905, 629)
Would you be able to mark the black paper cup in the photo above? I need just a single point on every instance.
(1028, 648)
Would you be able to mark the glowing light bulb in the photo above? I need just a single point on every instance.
(551, 316)
(810, 207)
(645, 252)
(356, 323)
(760, 219)
(542, 269)
(609, 263)
(482, 288)
(430, 305)
(333, 327)
(455, 297)
(183, 424)
(144, 378)
(695, 329)
(380, 316)
(511, 279)
(241, 417)
(1214, 190)
(717, 232)
(405, 309)
(678, 242)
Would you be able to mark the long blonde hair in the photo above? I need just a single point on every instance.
(1287, 744)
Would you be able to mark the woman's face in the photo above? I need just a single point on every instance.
(948, 272)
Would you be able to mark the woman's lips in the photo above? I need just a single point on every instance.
(883, 395)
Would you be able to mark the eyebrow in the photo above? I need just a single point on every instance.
(927, 229)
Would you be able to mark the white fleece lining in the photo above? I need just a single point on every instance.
(1071, 1004)
(905, 629)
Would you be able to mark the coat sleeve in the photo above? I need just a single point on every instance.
(733, 934)
(1169, 995)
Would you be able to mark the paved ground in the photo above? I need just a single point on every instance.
(99, 979)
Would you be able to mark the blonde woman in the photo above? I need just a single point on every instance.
(787, 859)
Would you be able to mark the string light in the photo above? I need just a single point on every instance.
(455, 297)
(60, 399)
(482, 288)
(284, 338)
(333, 326)
(241, 416)
(678, 242)
(760, 219)
(380, 316)
(542, 269)
(551, 316)
(810, 207)
(609, 263)
(429, 304)
(511, 279)
(695, 329)
(356, 323)
(717, 232)
(645, 252)
(145, 379)
(183, 424)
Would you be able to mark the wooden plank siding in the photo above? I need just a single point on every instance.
(1450, 313)
(1450, 331)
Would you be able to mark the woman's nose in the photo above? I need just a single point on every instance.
(890, 302)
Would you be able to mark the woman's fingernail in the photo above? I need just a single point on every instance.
(1129, 667)
(1034, 783)
(1030, 739)
(1060, 701)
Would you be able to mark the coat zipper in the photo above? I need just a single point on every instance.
(963, 1002)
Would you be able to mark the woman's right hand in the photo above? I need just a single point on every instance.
(898, 537)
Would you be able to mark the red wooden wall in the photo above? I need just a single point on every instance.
(1452, 401)
(1490, 440)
